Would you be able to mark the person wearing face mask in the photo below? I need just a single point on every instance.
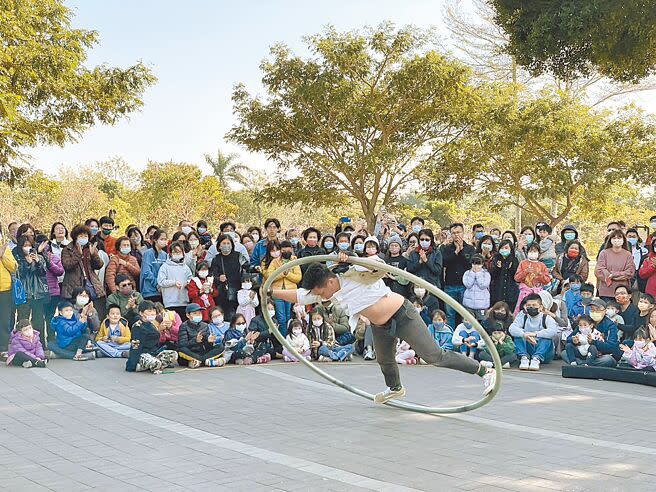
(568, 234)
(146, 353)
(343, 245)
(526, 238)
(478, 231)
(456, 256)
(255, 233)
(82, 303)
(185, 227)
(311, 237)
(533, 332)
(227, 269)
(247, 298)
(173, 280)
(573, 299)
(328, 243)
(532, 275)
(323, 345)
(272, 228)
(336, 316)
(426, 261)
(122, 263)
(202, 290)
(197, 346)
(105, 237)
(204, 234)
(642, 354)
(294, 237)
(218, 325)
(372, 247)
(572, 262)
(395, 258)
(277, 255)
(297, 339)
(8, 267)
(72, 333)
(126, 298)
(487, 248)
(196, 254)
(645, 305)
(249, 244)
(153, 259)
(81, 260)
(357, 245)
(265, 346)
(606, 341)
(25, 349)
(33, 266)
(503, 287)
(137, 243)
(647, 271)
(615, 266)
(416, 225)
(477, 288)
(612, 311)
(497, 322)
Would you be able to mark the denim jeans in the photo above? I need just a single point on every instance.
(601, 361)
(457, 292)
(337, 352)
(346, 339)
(543, 350)
(283, 313)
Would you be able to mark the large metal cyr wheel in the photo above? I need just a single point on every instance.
(376, 265)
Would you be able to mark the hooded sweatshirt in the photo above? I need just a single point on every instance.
(561, 247)
(170, 273)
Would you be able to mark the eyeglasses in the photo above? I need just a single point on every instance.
(125, 285)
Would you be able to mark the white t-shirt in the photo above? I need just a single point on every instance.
(360, 288)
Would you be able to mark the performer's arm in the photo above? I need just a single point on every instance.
(284, 295)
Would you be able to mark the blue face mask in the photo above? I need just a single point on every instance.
(359, 248)
(632, 240)
(416, 228)
(94, 230)
(202, 230)
(328, 245)
(295, 241)
(479, 235)
(344, 246)
(438, 324)
(468, 326)
(569, 236)
(575, 288)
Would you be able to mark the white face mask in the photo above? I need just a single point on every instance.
(585, 331)
(297, 331)
(186, 230)
(82, 300)
(533, 255)
(275, 254)
(28, 332)
(177, 258)
(194, 243)
(317, 322)
(151, 318)
(247, 286)
(217, 320)
(617, 242)
(420, 292)
(203, 274)
(241, 327)
(68, 314)
(272, 313)
(610, 313)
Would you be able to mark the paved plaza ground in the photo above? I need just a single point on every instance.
(90, 425)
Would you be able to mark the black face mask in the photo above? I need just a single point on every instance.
(499, 316)
(532, 312)
(287, 255)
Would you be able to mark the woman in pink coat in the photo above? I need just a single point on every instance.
(648, 270)
(615, 266)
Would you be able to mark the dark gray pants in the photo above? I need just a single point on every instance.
(407, 325)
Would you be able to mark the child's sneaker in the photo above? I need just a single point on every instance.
(27, 364)
(369, 354)
(489, 380)
(220, 362)
(323, 358)
(487, 363)
(535, 364)
(287, 359)
(389, 394)
(41, 363)
(523, 365)
(506, 365)
(573, 363)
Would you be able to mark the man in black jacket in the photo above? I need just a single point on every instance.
(456, 260)
(196, 345)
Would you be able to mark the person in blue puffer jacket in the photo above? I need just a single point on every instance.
(72, 333)
(152, 261)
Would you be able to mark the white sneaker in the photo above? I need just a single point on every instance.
(323, 358)
(486, 363)
(523, 365)
(506, 365)
(369, 354)
(389, 394)
(489, 380)
(535, 365)
(573, 363)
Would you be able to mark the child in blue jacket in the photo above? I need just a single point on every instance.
(440, 331)
(72, 333)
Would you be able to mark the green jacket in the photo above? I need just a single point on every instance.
(506, 348)
(122, 301)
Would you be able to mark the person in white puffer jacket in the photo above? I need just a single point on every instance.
(172, 280)
(477, 288)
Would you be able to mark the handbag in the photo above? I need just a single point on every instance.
(18, 293)
(231, 292)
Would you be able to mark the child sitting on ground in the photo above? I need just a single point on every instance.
(25, 347)
(168, 323)
(642, 355)
(612, 310)
(234, 341)
(298, 340)
(532, 275)
(323, 346)
(113, 339)
(247, 299)
(217, 324)
(466, 339)
(145, 351)
(581, 348)
(404, 354)
(440, 331)
(72, 333)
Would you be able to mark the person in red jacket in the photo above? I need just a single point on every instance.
(122, 262)
(202, 290)
(648, 270)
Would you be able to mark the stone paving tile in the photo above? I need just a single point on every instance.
(346, 433)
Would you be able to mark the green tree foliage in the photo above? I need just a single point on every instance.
(570, 38)
(228, 169)
(543, 154)
(356, 119)
(47, 93)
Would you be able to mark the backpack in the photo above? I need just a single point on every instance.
(544, 321)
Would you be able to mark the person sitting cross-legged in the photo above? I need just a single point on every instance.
(196, 344)
(145, 351)
(533, 333)
(113, 338)
(601, 337)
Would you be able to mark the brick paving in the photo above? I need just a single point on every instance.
(79, 426)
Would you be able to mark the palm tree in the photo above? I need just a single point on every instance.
(226, 167)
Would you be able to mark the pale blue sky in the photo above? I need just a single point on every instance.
(199, 49)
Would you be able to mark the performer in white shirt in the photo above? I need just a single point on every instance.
(363, 293)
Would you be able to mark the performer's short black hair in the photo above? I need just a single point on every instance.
(316, 276)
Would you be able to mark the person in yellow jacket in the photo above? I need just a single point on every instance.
(277, 254)
(113, 338)
(8, 267)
